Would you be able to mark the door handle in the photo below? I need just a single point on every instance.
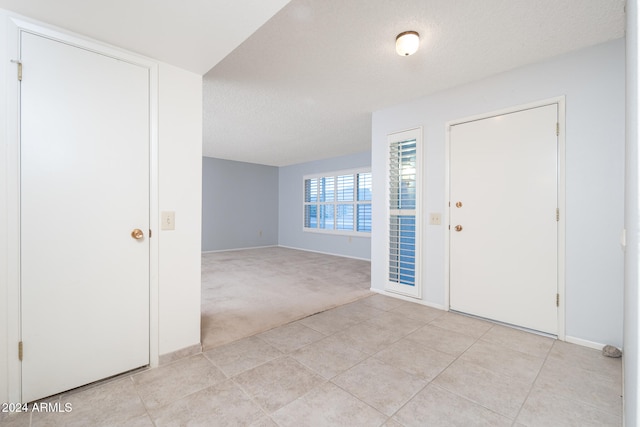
(137, 234)
(458, 228)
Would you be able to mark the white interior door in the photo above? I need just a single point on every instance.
(504, 196)
(84, 188)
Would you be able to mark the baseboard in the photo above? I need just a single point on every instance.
(406, 298)
(324, 253)
(180, 354)
(239, 249)
(584, 343)
(286, 247)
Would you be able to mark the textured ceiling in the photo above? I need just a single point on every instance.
(191, 34)
(304, 85)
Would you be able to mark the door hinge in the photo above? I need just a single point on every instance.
(20, 353)
(557, 300)
(557, 128)
(557, 214)
(149, 233)
(15, 61)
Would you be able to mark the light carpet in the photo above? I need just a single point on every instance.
(249, 291)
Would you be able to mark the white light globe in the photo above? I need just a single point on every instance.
(407, 43)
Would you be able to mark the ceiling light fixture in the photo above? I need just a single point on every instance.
(407, 43)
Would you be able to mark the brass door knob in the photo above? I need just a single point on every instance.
(137, 234)
(458, 228)
(458, 204)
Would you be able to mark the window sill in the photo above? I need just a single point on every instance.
(338, 232)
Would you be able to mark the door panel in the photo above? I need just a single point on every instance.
(84, 188)
(504, 196)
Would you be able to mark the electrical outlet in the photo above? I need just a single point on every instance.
(167, 220)
(435, 218)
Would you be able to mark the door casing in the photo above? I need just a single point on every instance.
(15, 26)
(560, 101)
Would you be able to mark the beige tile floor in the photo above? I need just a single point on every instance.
(375, 362)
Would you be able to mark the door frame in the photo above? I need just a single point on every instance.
(560, 102)
(15, 26)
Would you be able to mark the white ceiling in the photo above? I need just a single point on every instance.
(190, 34)
(304, 85)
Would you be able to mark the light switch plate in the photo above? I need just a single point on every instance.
(435, 218)
(167, 220)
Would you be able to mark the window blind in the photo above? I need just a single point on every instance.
(338, 203)
(402, 212)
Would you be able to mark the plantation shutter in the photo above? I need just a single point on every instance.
(403, 166)
(339, 203)
(363, 217)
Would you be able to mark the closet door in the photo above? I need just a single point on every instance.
(84, 216)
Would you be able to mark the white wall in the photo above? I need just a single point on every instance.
(179, 189)
(632, 226)
(594, 85)
(290, 230)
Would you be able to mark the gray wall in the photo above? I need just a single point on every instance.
(593, 81)
(291, 233)
(239, 205)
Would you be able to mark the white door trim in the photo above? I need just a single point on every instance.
(15, 25)
(560, 101)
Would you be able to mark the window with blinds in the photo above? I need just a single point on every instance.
(339, 202)
(403, 212)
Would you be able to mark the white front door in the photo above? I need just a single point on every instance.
(84, 189)
(504, 229)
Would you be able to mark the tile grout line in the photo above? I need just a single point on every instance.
(372, 355)
(580, 402)
(180, 397)
(360, 400)
(533, 383)
(146, 410)
(465, 397)
(246, 393)
(368, 356)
